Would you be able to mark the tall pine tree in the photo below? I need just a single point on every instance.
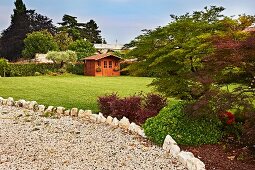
(89, 31)
(23, 21)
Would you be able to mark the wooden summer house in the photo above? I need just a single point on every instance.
(102, 65)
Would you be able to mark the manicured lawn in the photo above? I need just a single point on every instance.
(70, 90)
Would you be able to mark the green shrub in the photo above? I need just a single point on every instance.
(123, 68)
(75, 68)
(37, 74)
(186, 131)
(31, 69)
(4, 66)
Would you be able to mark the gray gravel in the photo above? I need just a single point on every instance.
(30, 141)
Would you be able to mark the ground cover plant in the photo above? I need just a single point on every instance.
(186, 131)
(70, 90)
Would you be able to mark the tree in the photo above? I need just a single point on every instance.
(174, 53)
(38, 42)
(196, 57)
(62, 57)
(71, 26)
(83, 48)
(63, 40)
(91, 32)
(23, 21)
(88, 31)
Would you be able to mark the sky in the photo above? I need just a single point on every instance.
(122, 20)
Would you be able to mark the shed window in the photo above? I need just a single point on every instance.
(110, 64)
(98, 63)
(105, 64)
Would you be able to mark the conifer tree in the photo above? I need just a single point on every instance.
(23, 21)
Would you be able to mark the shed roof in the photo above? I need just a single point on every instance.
(100, 56)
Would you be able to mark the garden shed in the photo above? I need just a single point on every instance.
(102, 65)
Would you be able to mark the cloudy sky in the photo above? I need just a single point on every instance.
(122, 20)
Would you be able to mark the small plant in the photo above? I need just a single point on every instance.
(48, 114)
(116, 69)
(98, 69)
(62, 70)
(37, 74)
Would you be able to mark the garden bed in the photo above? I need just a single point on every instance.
(224, 156)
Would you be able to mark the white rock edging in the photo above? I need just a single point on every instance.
(186, 158)
(169, 145)
(124, 123)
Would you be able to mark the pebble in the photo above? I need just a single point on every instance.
(65, 143)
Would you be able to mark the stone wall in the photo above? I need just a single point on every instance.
(169, 146)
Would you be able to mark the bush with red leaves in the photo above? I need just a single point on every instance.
(136, 108)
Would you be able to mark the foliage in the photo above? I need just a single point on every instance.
(30, 69)
(83, 48)
(91, 33)
(71, 26)
(88, 31)
(173, 121)
(70, 90)
(63, 40)
(140, 69)
(38, 42)
(4, 67)
(195, 56)
(120, 54)
(123, 68)
(136, 108)
(76, 68)
(23, 21)
(62, 57)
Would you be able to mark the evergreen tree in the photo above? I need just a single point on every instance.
(88, 31)
(23, 21)
(91, 32)
(71, 26)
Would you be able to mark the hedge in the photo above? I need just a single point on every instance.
(31, 69)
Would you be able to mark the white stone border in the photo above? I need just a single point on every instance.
(170, 146)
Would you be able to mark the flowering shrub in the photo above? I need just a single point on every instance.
(229, 118)
(136, 108)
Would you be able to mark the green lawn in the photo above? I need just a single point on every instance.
(70, 90)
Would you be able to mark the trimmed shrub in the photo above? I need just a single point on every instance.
(31, 69)
(75, 68)
(136, 108)
(36, 69)
(185, 130)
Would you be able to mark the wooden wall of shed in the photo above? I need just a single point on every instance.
(89, 70)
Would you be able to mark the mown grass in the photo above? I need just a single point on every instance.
(70, 90)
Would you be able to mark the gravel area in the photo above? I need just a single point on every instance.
(30, 141)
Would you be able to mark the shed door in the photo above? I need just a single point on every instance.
(107, 67)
